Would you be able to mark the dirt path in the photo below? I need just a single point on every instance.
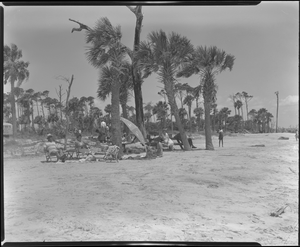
(221, 195)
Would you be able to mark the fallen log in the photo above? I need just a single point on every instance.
(279, 211)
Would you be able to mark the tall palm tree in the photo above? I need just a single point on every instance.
(207, 62)
(240, 97)
(163, 54)
(106, 51)
(18, 92)
(14, 70)
(238, 105)
(247, 98)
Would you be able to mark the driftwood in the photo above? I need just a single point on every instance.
(283, 138)
(279, 211)
(260, 145)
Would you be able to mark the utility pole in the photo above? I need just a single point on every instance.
(277, 95)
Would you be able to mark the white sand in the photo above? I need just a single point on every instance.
(221, 195)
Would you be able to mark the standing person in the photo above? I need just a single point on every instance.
(220, 137)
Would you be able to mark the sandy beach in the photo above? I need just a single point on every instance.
(223, 195)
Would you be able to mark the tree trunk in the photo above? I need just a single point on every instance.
(13, 109)
(171, 98)
(136, 75)
(208, 141)
(246, 109)
(37, 108)
(67, 113)
(125, 115)
(115, 116)
(32, 116)
(190, 121)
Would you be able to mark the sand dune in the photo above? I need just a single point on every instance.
(221, 195)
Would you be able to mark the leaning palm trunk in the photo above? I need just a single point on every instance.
(115, 116)
(170, 94)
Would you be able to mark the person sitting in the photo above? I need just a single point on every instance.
(79, 143)
(51, 149)
(177, 137)
(167, 140)
(101, 135)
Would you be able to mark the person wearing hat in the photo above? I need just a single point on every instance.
(51, 148)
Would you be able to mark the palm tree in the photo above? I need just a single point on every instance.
(106, 52)
(148, 108)
(262, 115)
(233, 98)
(188, 100)
(224, 113)
(238, 105)
(161, 111)
(269, 117)
(18, 92)
(14, 70)
(179, 92)
(182, 114)
(207, 62)
(239, 96)
(253, 117)
(214, 111)
(163, 55)
(247, 98)
(199, 112)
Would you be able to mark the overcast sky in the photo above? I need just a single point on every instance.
(264, 40)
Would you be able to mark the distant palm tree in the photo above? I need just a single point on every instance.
(148, 108)
(161, 111)
(207, 62)
(188, 100)
(247, 98)
(238, 104)
(199, 113)
(224, 113)
(14, 70)
(164, 54)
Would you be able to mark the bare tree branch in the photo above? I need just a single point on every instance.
(132, 9)
(81, 26)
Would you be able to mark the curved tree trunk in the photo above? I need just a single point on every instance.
(170, 93)
(115, 116)
(208, 141)
(13, 109)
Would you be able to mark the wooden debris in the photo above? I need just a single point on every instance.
(279, 211)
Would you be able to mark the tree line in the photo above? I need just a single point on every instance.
(123, 70)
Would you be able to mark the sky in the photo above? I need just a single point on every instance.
(263, 39)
